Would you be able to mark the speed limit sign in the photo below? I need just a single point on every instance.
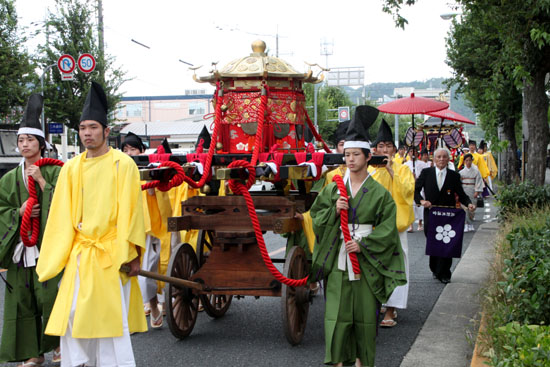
(86, 63)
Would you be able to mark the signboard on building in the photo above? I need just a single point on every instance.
(346, 76)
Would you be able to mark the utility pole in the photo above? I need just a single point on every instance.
(101, 40)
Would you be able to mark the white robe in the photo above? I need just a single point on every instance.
(400, 295)
(100, 352)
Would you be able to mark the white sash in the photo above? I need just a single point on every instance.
(343, 257)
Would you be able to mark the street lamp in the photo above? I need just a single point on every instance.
(449, 16)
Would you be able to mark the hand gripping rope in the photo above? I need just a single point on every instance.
(28, 223)
(344, 223)
(240, 189)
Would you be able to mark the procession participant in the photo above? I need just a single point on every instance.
(491, 164)
(27, 302)
(402, 155)
(419, 165)
(95, 226)
(364, 115)
(478, 160)
(399, 181)
(156, 209)
(472, 183)
(352, 302)
(440, 186)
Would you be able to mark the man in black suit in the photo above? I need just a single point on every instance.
(440, 185)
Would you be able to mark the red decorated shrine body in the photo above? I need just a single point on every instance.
(243, 81)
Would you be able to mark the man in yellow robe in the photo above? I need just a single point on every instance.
(399, 181)
(156, 210)
(490, 161)
(401, 156)
(478, 160)
(95, 225)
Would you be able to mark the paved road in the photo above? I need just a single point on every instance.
(251, 333)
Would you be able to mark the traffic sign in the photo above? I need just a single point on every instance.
(55, 128)
(343, 114)
(66, 64)
(86, 63)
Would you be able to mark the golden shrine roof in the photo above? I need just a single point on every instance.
(259, 64)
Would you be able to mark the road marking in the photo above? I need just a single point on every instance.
(277, 251)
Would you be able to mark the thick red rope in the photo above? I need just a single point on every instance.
(316, 134)
(212, 148)
(259, 132)
(344, 223)
(240, 189)
(165, 186)
(28, 223)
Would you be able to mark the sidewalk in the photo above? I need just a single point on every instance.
(448, 335)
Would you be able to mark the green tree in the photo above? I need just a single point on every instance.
(523, 32)
(16, 68)
(70, 30)
(473, 45)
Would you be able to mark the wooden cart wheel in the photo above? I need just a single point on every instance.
(295, 300)
(214, 305)
(182, 302)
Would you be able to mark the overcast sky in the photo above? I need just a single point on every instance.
(361, 34)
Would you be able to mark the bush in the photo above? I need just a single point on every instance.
(522, 196)
(518, 292)
(522, 345)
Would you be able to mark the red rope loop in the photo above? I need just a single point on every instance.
(240, 189)
(344, 223)
(261, 119)
(175, 181)
(29, 224)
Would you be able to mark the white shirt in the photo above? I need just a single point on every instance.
(443, 173)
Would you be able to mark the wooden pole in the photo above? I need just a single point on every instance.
(165, 278)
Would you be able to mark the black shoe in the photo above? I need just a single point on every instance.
(444, 280)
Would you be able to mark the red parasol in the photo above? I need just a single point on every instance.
(413, 105)
(451, 115)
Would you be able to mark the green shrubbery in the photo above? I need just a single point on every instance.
(517, 306)
(522, 196)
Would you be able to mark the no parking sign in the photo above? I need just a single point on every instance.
(343, 114)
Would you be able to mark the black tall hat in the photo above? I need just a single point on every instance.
(134, 141)
(340, 132)
(472, 142)
(205, 136)
(384, 133)
(166, 146)
(30, 124)
(482, 144)
(95, 107)
(357, 135)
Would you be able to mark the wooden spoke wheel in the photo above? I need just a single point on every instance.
(182, 303)
(215, 305)
(295, 300)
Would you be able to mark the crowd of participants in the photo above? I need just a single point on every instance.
(65, 292)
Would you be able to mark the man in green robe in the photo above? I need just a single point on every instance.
(352, 304)
(27, 302)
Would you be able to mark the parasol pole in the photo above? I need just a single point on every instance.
(414, 145)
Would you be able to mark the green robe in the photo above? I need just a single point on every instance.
(27, 307)
(351, 306)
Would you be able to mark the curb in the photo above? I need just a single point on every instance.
(446, 339)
